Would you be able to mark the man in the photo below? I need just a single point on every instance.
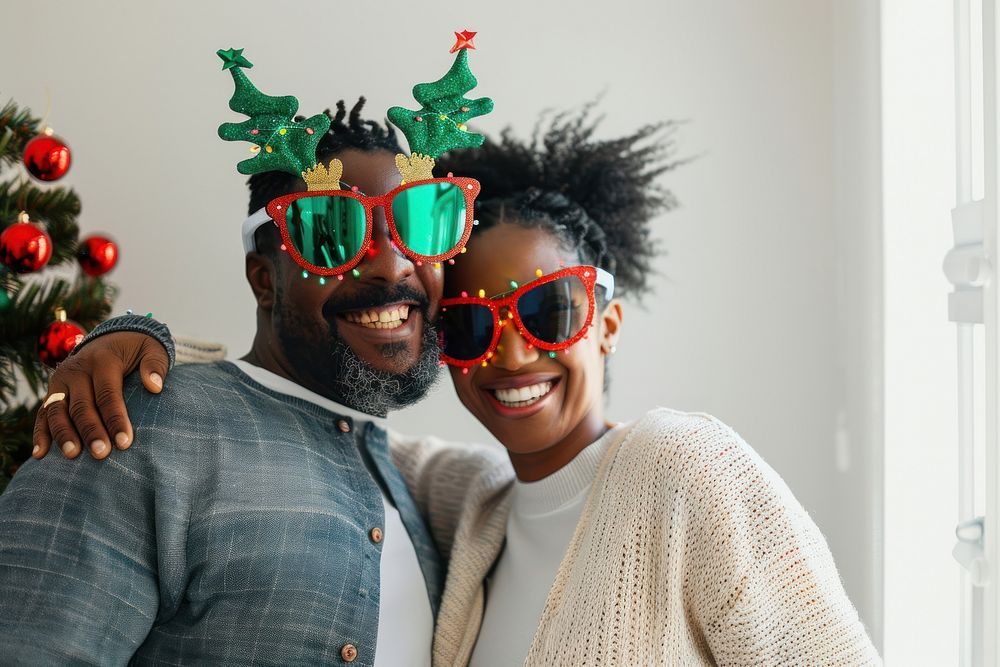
(262, 520)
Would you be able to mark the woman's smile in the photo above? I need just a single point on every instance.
(521, 395)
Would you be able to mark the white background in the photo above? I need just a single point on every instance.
(768, 303)
(921, 489)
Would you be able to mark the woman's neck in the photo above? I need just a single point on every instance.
(533, 466)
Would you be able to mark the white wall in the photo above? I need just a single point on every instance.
(921, 457)
(855, 533)
(765, 307)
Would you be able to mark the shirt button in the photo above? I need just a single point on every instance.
(349, 652)
(376, 535)
(344, 426)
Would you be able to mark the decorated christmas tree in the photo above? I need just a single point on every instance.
(43, 312)
(440, 122)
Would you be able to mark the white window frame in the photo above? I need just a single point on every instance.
(974, 306)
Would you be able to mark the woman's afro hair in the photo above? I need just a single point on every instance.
(598, 196)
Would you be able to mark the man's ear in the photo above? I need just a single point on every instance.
(261, 274)
(611, 323)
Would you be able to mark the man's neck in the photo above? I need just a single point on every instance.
(264, 355)
(285, 387)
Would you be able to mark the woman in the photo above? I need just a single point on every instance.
(664, 540)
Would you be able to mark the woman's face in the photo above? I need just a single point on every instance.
(571, 384)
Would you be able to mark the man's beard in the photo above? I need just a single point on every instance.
(346, 377)
(375, 392)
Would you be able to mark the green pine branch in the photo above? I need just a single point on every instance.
(16, 426)
(17, 128)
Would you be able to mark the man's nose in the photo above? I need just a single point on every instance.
(513, 351)
(384, 262)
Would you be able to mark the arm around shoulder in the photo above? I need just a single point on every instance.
(180, 349)
(136, 323)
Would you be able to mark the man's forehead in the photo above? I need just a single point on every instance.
(373, 172)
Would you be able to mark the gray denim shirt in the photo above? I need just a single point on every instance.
(234, 531)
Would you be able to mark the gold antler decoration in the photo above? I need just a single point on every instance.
(318, 177)
(417, 167)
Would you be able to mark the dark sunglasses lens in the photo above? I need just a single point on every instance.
(430, 218)
(327, 231)
(555, 311)
(466, 330)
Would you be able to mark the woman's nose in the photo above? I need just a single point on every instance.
(513, 350)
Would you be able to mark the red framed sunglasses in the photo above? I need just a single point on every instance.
(552, 313)
(329, 232)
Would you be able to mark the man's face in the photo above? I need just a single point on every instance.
(365, 341)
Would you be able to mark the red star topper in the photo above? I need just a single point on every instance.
(463, 40)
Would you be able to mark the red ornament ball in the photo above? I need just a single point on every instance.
(24, 248)
(58, 340)
(47, 158)
(97, 255)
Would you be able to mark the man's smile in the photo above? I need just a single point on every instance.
(389, 323)
(383, 317)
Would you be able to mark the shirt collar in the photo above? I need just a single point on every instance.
(282, 385)
(565, 486)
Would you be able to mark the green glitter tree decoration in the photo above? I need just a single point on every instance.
(281, 142)
(440, 123)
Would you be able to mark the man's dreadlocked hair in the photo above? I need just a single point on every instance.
(356, 132)
(597, 196)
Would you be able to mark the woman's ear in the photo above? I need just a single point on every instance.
(611, 323)
(261, 274)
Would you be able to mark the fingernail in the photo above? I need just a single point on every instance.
(121, 440)
(35, 450)
(99, 447)
(69, 448)
(156, 379)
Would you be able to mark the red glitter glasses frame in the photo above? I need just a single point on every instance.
(588, 275)
(276, 208)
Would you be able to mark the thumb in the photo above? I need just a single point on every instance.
(153, 365)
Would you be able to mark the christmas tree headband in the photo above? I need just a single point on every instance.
(282, 143)
(436, 214)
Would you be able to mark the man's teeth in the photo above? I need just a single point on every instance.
(520, 397)
(375, 318)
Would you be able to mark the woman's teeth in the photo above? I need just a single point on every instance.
(521, 397)
(375, 318)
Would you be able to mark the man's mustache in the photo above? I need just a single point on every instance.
(370, 296)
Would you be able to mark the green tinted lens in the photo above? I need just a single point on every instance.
(327, 231)
(430, 218)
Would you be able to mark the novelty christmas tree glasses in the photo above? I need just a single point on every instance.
(328, 233)
(328, 229)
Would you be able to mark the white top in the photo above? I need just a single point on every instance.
(405, 620)
(541, 522)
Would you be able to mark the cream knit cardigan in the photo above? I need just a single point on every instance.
(690, 551)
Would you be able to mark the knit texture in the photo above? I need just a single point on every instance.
(194, 351)
(137, 323)
(690, 551)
